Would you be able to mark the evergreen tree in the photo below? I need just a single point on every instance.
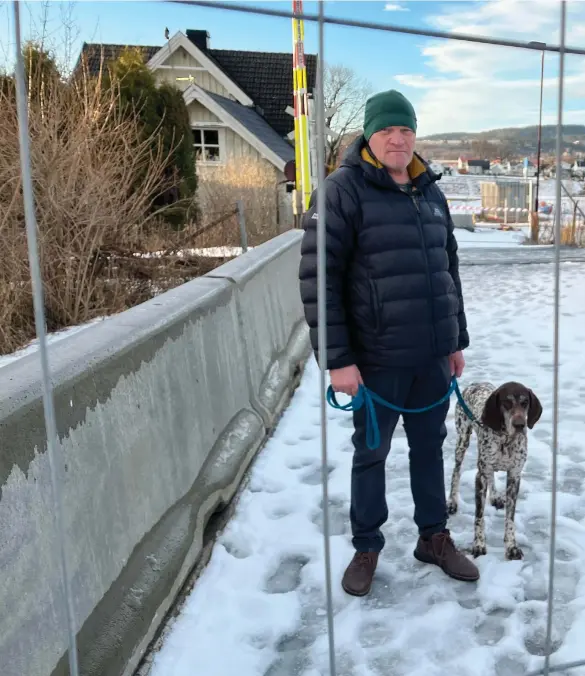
(40, 67)
(162, 112)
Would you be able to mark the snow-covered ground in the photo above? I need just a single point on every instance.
(52, 338)
(259, 607)
(486, 236)
(210, 251)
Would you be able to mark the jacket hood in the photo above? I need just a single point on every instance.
(358, 154)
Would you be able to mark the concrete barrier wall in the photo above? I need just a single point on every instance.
(160, 411)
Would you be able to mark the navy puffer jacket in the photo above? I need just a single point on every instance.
(393, 290)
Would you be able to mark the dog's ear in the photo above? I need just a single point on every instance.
(492, 412)
(534, 409)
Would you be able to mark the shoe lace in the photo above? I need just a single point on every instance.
(446, 545)
(364, 559)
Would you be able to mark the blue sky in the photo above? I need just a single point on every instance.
(454, 86)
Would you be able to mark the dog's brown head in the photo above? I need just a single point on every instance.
(511, 408)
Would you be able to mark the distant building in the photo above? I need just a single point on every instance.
(497, 169)
(566, 169)
(468, 166)
(528, 168)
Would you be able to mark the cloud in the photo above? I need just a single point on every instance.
(393, 7)
(475, 87)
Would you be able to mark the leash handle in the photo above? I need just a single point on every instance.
(363, 397)
(366, 397)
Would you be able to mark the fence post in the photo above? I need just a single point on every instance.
(242, 224)
(278, 228)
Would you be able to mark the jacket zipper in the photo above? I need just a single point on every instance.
(429, 284)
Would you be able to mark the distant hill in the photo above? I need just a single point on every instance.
(522, 139)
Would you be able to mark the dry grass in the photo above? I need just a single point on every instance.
(252, 181)
(571, 234)
(94, 179)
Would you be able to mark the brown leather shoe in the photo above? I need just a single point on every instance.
(358, 576)
(441, 551)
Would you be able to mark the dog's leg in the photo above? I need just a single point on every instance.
(481, 486)
(497, 500)
(464, 429)
(513, 552)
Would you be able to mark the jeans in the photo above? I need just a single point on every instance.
(425, 432)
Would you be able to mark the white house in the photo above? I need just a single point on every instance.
(565, 170)
(473, 166)
(237, 100)
(528, 168)
(497, 169)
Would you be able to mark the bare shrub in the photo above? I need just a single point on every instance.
(103, 244)
(252, 181)
(570, 235)
(95, 177)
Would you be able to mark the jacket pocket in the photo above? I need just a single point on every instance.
(375, 305)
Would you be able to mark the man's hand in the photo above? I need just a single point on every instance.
(457, 363)
(346, 380)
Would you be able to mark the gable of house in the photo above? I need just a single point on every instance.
(180, 69)
(234, 130)
(264, 77)
(200, 115)
(236, 99)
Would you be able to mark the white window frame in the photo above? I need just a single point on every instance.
(203, 127)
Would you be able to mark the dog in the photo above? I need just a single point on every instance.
(502, 416)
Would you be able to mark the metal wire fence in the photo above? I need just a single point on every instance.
(31, 228)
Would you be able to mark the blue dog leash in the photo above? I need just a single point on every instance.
(366, 397)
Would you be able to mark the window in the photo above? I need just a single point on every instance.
(206, 143)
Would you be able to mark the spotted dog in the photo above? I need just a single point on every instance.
(501, 417)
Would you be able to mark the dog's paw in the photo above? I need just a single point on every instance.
(498, 502)
(514, 553)
(452, 506)
(478, 550)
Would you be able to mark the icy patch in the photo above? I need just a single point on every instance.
(486, 236)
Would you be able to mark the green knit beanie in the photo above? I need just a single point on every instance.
(388, 109)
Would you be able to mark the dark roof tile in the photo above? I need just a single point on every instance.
(258, 126)
(93, 53)
(267, 78)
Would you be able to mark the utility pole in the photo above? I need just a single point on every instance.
(534, 224)
(301, 111)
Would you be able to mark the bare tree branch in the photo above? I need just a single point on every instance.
(71, 33)
(348, 93)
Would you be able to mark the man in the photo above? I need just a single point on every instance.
(395, 322)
